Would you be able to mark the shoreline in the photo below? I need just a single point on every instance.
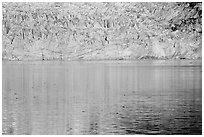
(173, 59)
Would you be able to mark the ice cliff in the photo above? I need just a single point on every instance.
(94, 31)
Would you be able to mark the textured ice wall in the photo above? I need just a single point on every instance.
(55, 31)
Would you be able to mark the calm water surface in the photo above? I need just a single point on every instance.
(105, 97)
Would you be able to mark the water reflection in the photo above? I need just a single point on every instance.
(160, 97)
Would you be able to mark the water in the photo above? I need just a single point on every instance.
(105, 97)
